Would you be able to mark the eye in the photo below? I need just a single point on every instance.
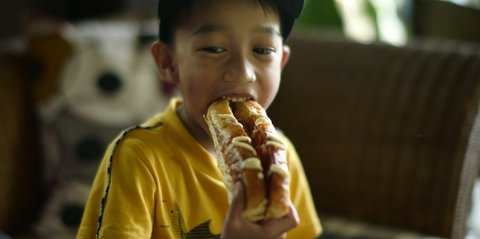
(263, 50)
(214, 49)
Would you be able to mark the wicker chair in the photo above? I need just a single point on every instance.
(388, 135)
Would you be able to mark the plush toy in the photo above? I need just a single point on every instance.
(48, 52)
(107, 83)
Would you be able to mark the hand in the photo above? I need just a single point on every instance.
(236, 226)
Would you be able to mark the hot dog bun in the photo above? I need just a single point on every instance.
(250, 151)
(237, 158)
(271, 151)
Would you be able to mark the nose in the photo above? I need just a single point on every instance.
(240, 70)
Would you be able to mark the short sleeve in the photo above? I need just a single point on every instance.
(122, 198)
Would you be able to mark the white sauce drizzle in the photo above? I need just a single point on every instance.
(262, 120)
(241, 139)
(243, 142)
(277, 145)
(274, 168)
(275, 142)
(251, 163)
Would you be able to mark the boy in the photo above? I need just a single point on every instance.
(161, 179)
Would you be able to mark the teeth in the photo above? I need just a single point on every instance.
(235, 99)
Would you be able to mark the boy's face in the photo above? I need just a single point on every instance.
(228, 49)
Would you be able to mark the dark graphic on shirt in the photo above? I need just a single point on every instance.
(180, 231)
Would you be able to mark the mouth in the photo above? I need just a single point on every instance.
(237, 98)
(232, 99)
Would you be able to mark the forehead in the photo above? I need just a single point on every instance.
(212, 15)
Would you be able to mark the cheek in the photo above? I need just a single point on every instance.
(193, 90)
(275, 75)
(274, 87)
(196, 86)
(270, 87)
(195, 71)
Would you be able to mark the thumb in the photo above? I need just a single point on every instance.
(285, 223)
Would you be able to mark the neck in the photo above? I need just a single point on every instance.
(202, 137)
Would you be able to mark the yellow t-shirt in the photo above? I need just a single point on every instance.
(157, 181)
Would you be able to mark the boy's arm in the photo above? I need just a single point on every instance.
(119, 194)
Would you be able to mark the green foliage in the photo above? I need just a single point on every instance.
(320, 14)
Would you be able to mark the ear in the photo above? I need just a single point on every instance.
(165, 61)
(285, 56)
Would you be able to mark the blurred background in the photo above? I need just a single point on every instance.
(73, 74)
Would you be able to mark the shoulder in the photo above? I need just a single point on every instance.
(138, 136)
(154, 132)
(139, 143)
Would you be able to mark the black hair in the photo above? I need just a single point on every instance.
(179, 10)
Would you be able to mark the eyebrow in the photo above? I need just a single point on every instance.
(209, 28)
(268, 30)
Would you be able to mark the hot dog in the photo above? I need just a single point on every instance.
(250, 151)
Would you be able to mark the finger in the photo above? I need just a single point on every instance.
(234, 219)
(284, 224)
(238, 201)
(294, 213)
